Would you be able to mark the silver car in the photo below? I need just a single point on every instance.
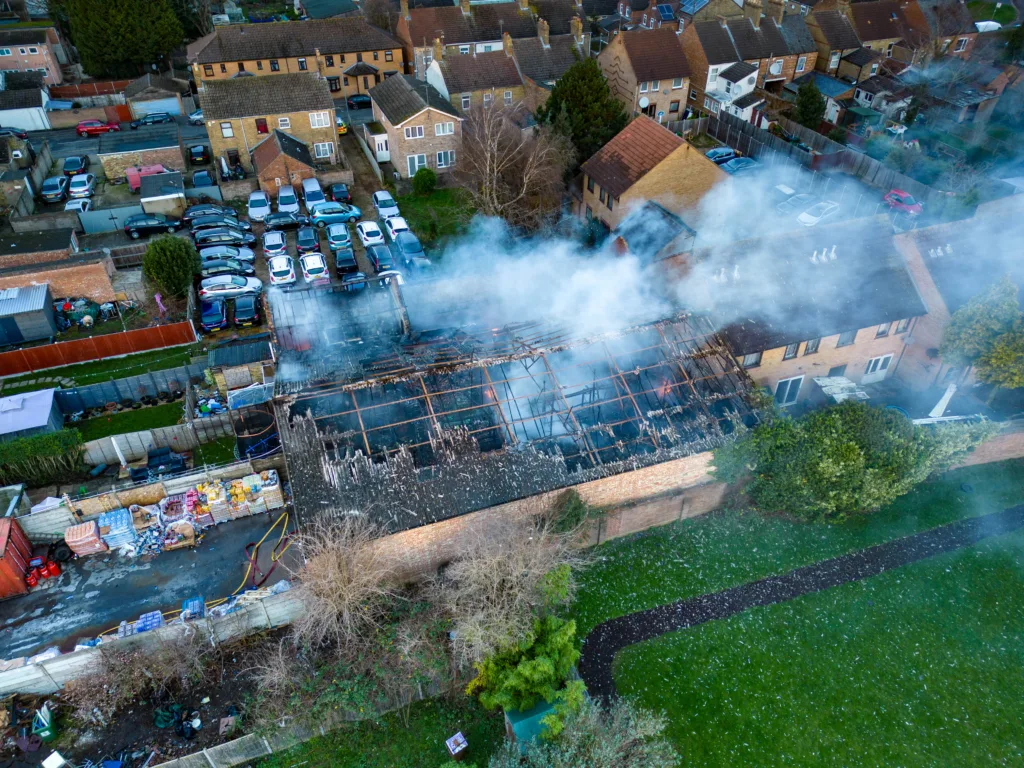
(228, 286)
(236, 252)
(795, 204)
(82, 185)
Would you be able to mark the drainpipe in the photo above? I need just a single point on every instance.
(903, 350)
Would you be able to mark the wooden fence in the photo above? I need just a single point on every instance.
(97, 88)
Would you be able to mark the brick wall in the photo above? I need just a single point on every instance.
(246, 136)
(114, 165)
(89, 280)
(39, 221)
(281, 171)
(624, 87)
(698, 64)
(476, 98)
(401, 147)
(1007, 445)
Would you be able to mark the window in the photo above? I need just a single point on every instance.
(334, 84)
(693, 94)
(643, 87)
(319, 120)
(508, 98)
(376, 56)
(446, 158)
(846, 338)
(359, 57)
(677, 83)
(609, 201)
(712, 75)
(366, 83)
(261, 125)
(465, 101)
(226, 130)
(345, 80)
(833, 61)
(945, 45)
(839, 370)
(811, 346)
(707, 103)
(601, 194)
(801, 63)
(36, 50)
(259, 65)
(323, 149)
(643, 23)
(590, 213)
(752, 360)
(804, 9)
(656, 85)
(302, 65)
(874, 70)
(341, 58)
(788, 390)
(728, 87)
(878, 365)
(414, 132)
(444, 129)
(714, 107)
(673, 106)
(207, 68)
(22, 52)
(488, 98)
(869, 97)
(274, 66)
(223, 67)
(284, 123)
(903, 325)
(961, 45)
(463, 49)
(791, 351)
(888, 50)
(415, 163)
(329, 61)
(427, 58)
(883, 330)
(389, 55)
(241, 66)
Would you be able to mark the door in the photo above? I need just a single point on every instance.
(787, 391)
(833, 112)
(875, 371)
(381, 149)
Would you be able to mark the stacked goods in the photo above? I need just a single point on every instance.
(117, 528)
(173, 508)
(271, 490)
(239, 501)
(214, 502)
(84, 539)
(148, 621)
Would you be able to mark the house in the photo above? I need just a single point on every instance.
(26, 314)
(652, 232)
(33, 50)
(30, 413)
(884, 94)
(835, 93)
(241, 112)
(734, 92)
(24, 109)
(542, 62)
(859, 65)
(644, 162)
(422, 128)
(351, 54)
(327, 9)
(155, 93)
(880, 24)
(478, 79)
(936, 28)
(163, 193)
(959, 91)
(834, 36)
(648, 73)
(156, 145)
(22, 248)
(282, 159)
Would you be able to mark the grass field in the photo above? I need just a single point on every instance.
(389, 742)
(218, 452)
(434, 217)
(104, 370)
(982, 10)
(130, 421)
(722, 550)
(920, 666)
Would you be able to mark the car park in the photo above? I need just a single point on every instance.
(258, 206)
(227, 286)
(153, 118)
(314, 268)
(740, 165)
(203, 179)
(218, 220)
(282, 270)
(311, 193)
(322, 214)
(149, 224)
(287, 202)
(198, 154)
(307, 240)
(796, 204)
(54, 189)
(206, 209)
(385, 205)
(96, 127)
(359, 101)
(420, 269)
(235, 252)
(369, 233)
(274, 244)
(195, 117)
(818, 212)
(394, 225)
(285, 221)
(222, 236)
(407, 247)
(74, 165)
(380, 257)
(213, 314)
(720, 155)
(82, 205)
(339, 193)
(226, 267)
(899, 200)
(247, 310)
(82, 185)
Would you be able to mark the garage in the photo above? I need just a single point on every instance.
(153, 93)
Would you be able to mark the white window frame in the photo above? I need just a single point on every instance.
(427, 59)
(463, 49)
(413, 132)
(22, 51)
(413, 164)
(961, 45)
(644, 23)
(790, 396)
(643, 87)
(801, 63)
(655, 85)
(712, 75)
(874, 70)
(284, 123)
(33, 50)
(303, 66)
(227, 130)
(677, 83)
(446, 158)
(707, 103)
(833, 60)
(5, 51)
(728, 87)
(319, 120)
(888, 50)
(444, 129)
(878, 365)
(751, 360)
(467, 101)
(508, 98)
(323, 149)
(488, 99)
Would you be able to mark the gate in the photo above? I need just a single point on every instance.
(107, 219)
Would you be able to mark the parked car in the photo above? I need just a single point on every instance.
(339, 193)
(338, 238)
(153, 118)
(285, 221)
(196, 117)
(899, 200)
(282, 270)
(740, 165)
(369, 234)
(720, 155)
(359, 101)
(96, 127)
(779, 194)
(198, 154)
(311, 193)
(796, 203)
(227, 286)
(420, 269)
(307, 240)
(385, 205)
(149, 224)
(259, 205)
(54, 189)
(354, 281)
(206, 209)
(16, 132)
(394, 225)
(322, 214)
(218, 220)
(75, 164)
(314, 268)
(407, 247)
(226, 267)
(83, 205)
(341, 125)
(82, 185)
(222, 236)
(235, 252)
(818, 212)
(380, 257)
(274, 244)
(247, 310)
(287, 201)
(213, 315)
(203, 179)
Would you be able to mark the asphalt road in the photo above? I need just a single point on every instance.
(65, 142)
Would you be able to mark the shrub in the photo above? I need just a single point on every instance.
(838, 135)
(171, 263)
(55, 457)
(424, 182)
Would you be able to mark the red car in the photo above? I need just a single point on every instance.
(899, 200)
(95, 127)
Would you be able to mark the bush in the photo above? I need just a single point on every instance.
(39, 460)
(571, 513)
(424, 182)
(171, 263)
(838, 135)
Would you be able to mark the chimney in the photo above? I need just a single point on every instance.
(438, 49)
(723, 21)
(682, 26)
(524, 5)
(843, 6)
(576, 26)
(752, 10)
(542, 33)
(405, 10)
(777, 10)
(466, 10)
(620, 247)
(506, 41)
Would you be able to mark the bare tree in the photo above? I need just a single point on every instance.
(378, 13)
(512, 172)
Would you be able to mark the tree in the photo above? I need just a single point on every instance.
(842, 460)
(170, 263)
(582, 108)
(974, 328)
(424, 181)
(838, 135)
(122, 38)
(902, 158)
(512, 173)
(194, 17)
(378, 13)
(1014, 44)
(810, 105)
(622, 736)
(1003, 363)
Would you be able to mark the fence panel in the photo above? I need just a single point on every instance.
(133, 388)
(47, 525)
(107, 219)
(197, 193)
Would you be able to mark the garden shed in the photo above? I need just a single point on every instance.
(163, 193)
(26, 314)
(30, 413)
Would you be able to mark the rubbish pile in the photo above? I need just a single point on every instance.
(208, 406)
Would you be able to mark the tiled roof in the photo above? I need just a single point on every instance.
(862, 56)
(716, 42)
(361, 68)
(154, 84)
(270, 95)
(599, 7)
(545, 65)
(279, 40)
(402, 96)
(798, 36)
(656, 54)
(485, 22)
(280, 143)
(747, 100)
(21, 99)
(946, 17)
(882, 84)
(738, 71)
(558, 14)
(483, 70)
(761, 42)
(837, 29)
(878, 20)
(631, 154)
(739, 40)
(20, 81)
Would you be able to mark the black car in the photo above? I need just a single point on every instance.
(153, 118)
(359, 101)
(222, 236)
(354, 281)
(149, 224)
(54, 189)
(206, 209)
(283, 221)
(345, 261)
(203, 179)
(219, 220)
(213, 314)
(380, 257)
(227, 267)
(307, 240)
(17, 132)
(198, 154)
(75, 164)
(339, 193)
(247, 310)
(407, 247)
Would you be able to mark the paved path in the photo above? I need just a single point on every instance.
(607, 639)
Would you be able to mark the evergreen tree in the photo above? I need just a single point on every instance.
(123, 38)
(170, 263)
(974, 328)
(1003, 363)
(810, 105)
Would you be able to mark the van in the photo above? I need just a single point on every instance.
(311, 193)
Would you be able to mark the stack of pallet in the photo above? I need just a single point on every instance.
(271, 490)
(85, 539)
(117, 528)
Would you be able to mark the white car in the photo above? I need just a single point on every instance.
(314, 268)
(818, 212)
(282, 270)
(78, 205)
(369, 233)
(228, 286)
(259, 205)
(274, 244)
(287, 202)
(385, 205)
(394, 225)
(82, 185)
(231, 252)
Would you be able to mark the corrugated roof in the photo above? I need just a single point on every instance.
(26, 411)
(28, 298)
(239, 354)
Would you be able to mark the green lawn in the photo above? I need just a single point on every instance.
(982, 10)
(389, 742)
(104, 370)
(920, 666)
(130, 421)
(218, 452)
(721, 550)
(441, 214)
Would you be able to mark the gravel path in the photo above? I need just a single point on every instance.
(607, 639)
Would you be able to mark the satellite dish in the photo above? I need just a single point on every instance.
(644, 102)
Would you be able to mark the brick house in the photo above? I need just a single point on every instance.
(936, 28)
(834, 35)
(648, 73)
(542, 62)
(476, 80)
(281, 159)
(351, 54)
(880, 24)
(33, 50)
(241, 112)
(860, 65)
(644, 162)
(423, 129)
